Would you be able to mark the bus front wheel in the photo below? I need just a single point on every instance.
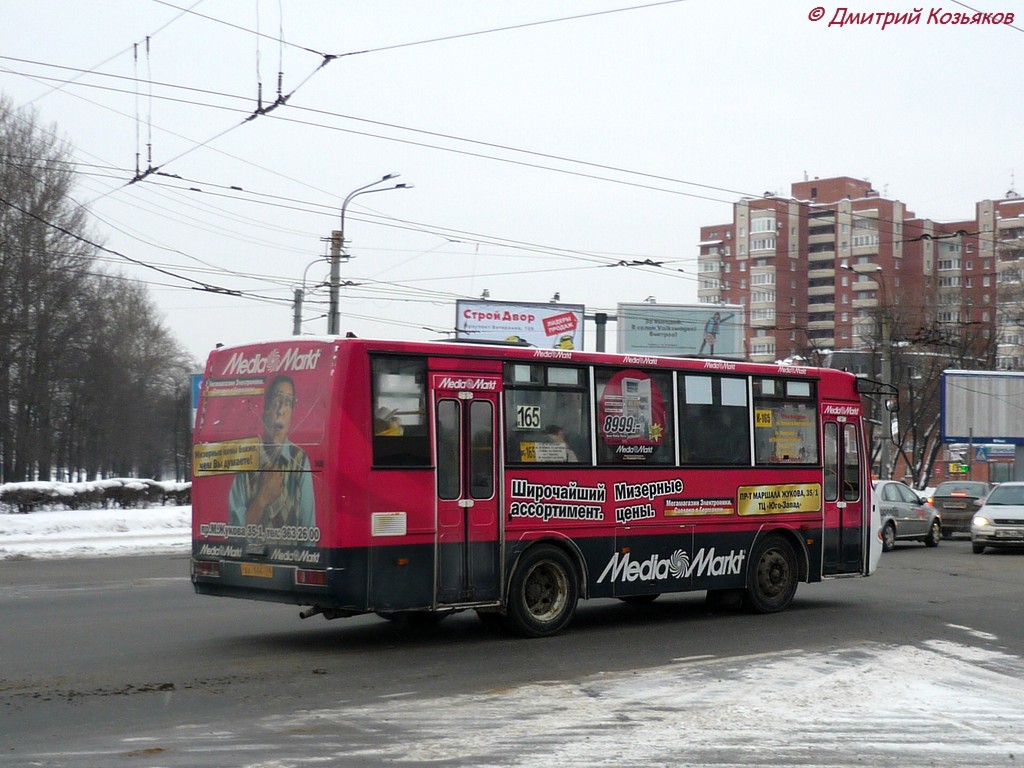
(773, 575)
(543, 593)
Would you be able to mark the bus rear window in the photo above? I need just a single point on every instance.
(399, 401)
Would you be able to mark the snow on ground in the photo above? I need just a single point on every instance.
(944, 704)
(95, 533)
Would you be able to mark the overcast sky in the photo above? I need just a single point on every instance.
(546, 141)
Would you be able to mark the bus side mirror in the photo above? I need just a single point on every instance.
(893, 407)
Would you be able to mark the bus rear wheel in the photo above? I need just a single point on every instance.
(543, 592)
(773, 575)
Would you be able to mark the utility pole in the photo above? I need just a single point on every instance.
(333, 318)
(297, 314)
(338, 245)
(884, 470)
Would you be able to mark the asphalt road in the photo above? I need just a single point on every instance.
(117, 661)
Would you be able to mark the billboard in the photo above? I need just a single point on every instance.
(558, 326)
(982, 407)
(677, 330)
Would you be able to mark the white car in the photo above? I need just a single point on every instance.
(999, 521)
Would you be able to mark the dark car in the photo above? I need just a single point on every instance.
(905, 516)
(954, 501)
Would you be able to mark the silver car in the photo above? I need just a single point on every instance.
(905, 516)
(999, 521)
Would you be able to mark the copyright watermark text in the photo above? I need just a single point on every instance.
(843, 17)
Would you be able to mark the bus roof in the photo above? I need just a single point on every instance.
(505, 351)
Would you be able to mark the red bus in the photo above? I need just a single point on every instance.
(419, 479)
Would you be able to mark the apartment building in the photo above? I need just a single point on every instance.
(817, 270)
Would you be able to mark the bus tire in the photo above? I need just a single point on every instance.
(542, 593)
(772, 575)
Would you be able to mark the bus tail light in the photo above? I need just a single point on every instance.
(206, 568)
(311, 578)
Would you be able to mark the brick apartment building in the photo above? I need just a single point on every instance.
(814, 270)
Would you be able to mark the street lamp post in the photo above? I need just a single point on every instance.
(300, 294)
(338, 245)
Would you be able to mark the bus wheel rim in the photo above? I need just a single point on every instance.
(773, 574)
(545, 591)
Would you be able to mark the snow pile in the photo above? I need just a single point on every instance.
(95, 533)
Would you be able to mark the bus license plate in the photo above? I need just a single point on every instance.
(258, 569)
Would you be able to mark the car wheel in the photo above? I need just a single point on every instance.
(934, 534)
(543, 593)
(772, 577)
(888, 537)
(977, 548)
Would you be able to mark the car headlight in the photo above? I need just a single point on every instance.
(980, 521)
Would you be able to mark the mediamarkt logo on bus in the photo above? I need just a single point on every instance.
(476, 384)
(842, 410)
(678, 565)
(293, 360)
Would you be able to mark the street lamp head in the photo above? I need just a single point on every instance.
(389, 176)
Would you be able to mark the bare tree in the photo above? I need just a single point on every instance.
(86, 369)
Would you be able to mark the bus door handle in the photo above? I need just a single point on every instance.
(466, 503)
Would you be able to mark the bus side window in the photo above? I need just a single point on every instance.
(540, 397)
(398, 408)
(714, 420)
(635, 418)
(831, 461)
(851, 463)
(785, 422)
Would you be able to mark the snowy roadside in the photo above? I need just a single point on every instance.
(95, 533)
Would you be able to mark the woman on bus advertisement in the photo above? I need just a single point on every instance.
(631, 416)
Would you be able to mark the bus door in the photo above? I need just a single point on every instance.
(843, 495)
(467, 446)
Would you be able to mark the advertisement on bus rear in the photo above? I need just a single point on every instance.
(258, 451)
